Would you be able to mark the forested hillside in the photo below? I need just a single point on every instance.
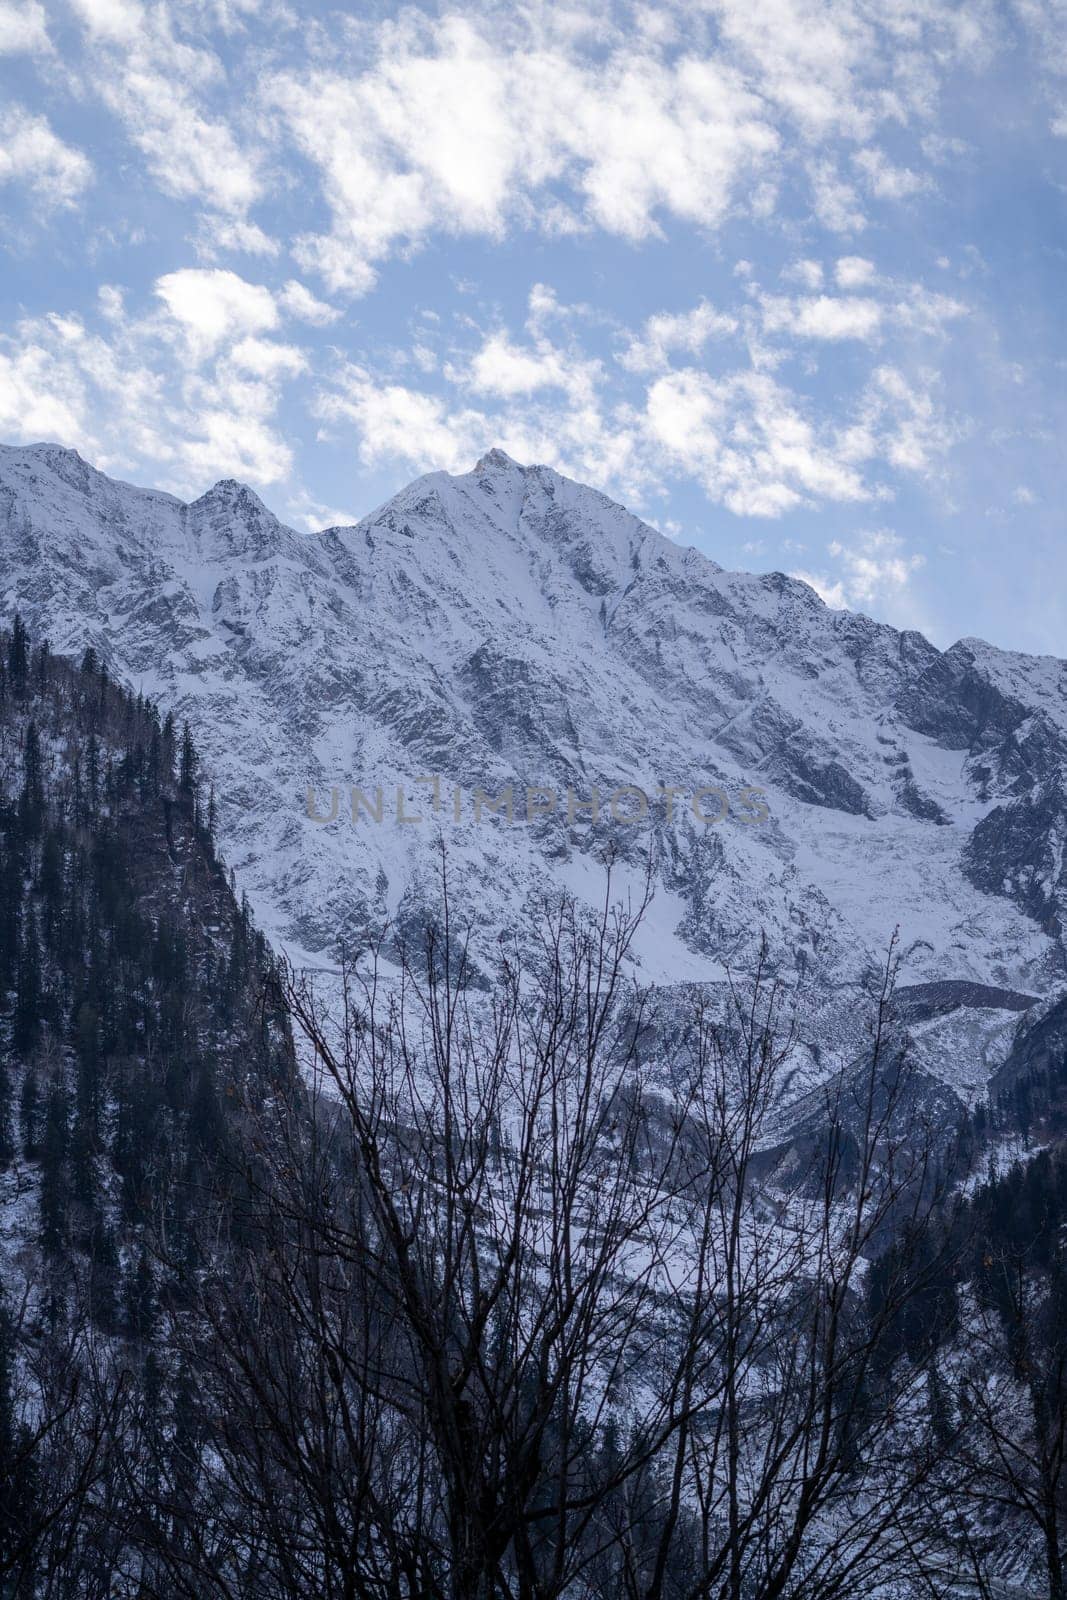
(135, 1026)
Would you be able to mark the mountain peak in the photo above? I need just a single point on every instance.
(230, 491)
(49, 451)
(230, 504)
(66, 463)
(497, 460)
(230, 519)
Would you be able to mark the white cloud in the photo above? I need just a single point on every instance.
(56, 378)
(470, 124)
(900, 422)
(213, 305)
(32, 405)
(873, 572)
(227, 233)
(544, 307)
(1045, 24)
(482, 121)
(665, 332)
(746, 441)
(266, 358)
(502, 368)
(866, 318)
(752, 444)
(822, 317)
(22, 28)
(841, 69)
(154, 81)
(922, 311)
(33, 155)
(854, 272)
(809, 58)
(829, 589)
(299, 301)
(808, 273)
(886, 181)
(452, 130)
(398, 424)
(566, 423)
(834, 200)
(317, 517)
(112, 302)
(192, 387)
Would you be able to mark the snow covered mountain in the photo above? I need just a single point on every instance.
(508, 628)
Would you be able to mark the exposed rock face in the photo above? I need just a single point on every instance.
(510, 629)
(1018, 850)
(1039, 1043)
(920, 1002)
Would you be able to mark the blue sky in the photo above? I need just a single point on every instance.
(785, 276)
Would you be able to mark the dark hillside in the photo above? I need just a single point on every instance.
(137, 1026)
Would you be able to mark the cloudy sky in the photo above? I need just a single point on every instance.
(785, 276)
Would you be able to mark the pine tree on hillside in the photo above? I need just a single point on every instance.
(189, 762)
(28, 997)
(31, 800)
(18, 655)
(53, 1191)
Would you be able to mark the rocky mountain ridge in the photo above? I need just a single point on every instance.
(508, 628)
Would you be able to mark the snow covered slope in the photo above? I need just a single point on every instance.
(508, 627)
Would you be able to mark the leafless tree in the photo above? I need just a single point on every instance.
(56, 1458)
(523, 1302)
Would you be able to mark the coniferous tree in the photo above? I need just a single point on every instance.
(11, 895)
(189, 763)
(30, 1115)
(89, 1058)
(28, 1000)
(7, 1139)
(84, 1187)
(18, 655)
(53, 1192)
(31, 801)
(92, 775)
(139, 1298)
(104, 1277)
(212, 821)
(168, 747)
(50, 883)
